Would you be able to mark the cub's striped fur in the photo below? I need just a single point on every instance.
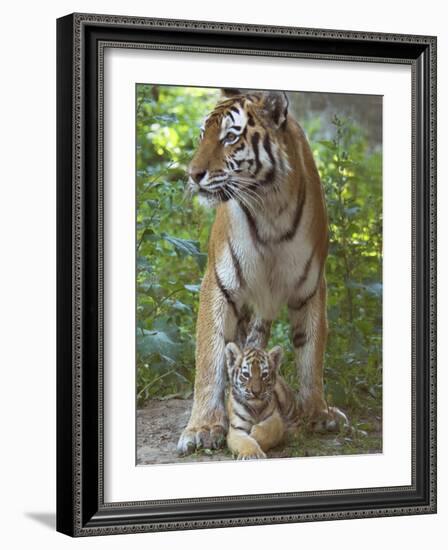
(261, 407)
(267, 249)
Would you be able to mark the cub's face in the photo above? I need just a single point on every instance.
(239, 155)
(252, 373)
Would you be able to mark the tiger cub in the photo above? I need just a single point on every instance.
(261, 407)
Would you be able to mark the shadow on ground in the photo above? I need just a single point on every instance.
(48, 519)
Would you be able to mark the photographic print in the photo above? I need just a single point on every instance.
(258, 274)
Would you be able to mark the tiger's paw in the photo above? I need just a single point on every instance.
(205, 437)
(332, 420)
(251, 455)
(250, 452)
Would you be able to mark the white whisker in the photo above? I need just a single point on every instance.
(248, 201)
(241, 197)
(250, 193)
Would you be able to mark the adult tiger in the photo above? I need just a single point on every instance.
(267, 248)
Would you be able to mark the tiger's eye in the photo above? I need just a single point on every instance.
(230, 137)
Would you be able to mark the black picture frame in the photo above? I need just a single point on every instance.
(81, 510)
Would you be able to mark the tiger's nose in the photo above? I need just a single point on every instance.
(197, 175)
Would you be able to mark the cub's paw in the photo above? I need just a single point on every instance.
(250, 452)
(251, 456)
(205, 437)
(332, 420)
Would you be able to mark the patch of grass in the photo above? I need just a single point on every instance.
(350, 442)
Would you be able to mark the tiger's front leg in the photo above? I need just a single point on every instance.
(217, 321)
(243, 445)
(308, 320)
(270, 432)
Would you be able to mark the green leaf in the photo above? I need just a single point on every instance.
(167, 118)
(185, 247)
(334, 313)
(145, 285)
(156, 341)
(327, 143)
(352, 211)
(148, 235)
(180, 306)
(338, 393)
(375, 288)
(193, 288)
(143, 264)
(164, 324)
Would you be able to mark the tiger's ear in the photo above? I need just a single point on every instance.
(230, 92)
(233, 356)
(275, 357)
(275, 107)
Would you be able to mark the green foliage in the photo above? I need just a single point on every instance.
(351, 175)
(172, 236)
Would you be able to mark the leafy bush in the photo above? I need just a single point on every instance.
(352, 177)
(172, 234)
(171, 238)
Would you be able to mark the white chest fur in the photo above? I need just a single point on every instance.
(266, 276)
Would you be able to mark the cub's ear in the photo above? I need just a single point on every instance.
(275, 107)
(233, 356)
(275, 357)
(230, 92)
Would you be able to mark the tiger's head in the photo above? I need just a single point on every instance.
(240, 151)
(253, 372)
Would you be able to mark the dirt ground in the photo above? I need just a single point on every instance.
(160, 423)
(159, 426)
